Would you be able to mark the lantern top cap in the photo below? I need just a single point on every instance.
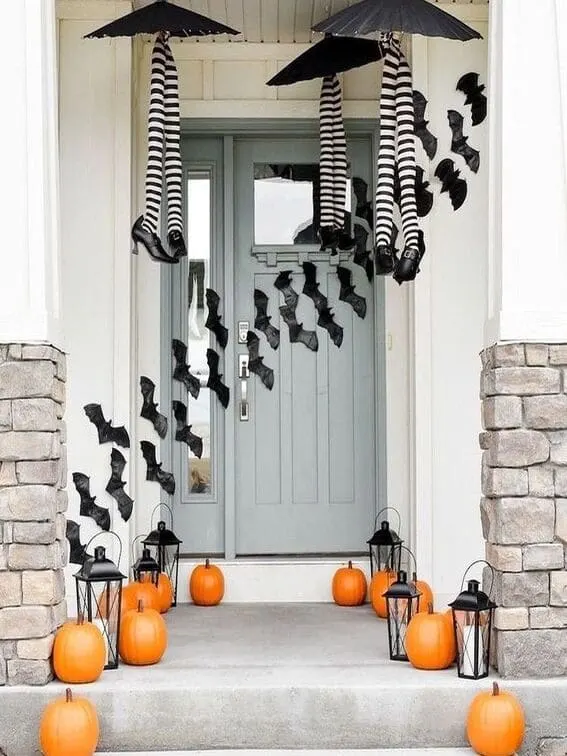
(99, 568)
(472, 599)
(401, 588)
(146, 563)
(385, 536)
(161, 536)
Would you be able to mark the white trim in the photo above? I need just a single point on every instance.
(541, 327)
(305, 109)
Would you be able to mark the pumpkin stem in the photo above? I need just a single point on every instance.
(207, 563)
(68, 695)
(495, 689)
(429, 608)
(349, 564)
(140, 605)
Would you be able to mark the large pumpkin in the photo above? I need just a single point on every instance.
(79, 652)
(137, 591)
(164, 589)
(495, 723)
(349, 586)
(206, 584)
(430, 643)
(69, 727)
(379, 584)
(143, 636)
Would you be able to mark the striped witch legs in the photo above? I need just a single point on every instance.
(164, 158)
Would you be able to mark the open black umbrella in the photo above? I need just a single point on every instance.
(330, 56)
(162, 16)
(410, 16)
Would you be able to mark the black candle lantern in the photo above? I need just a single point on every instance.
(99, 598)
(164, 545)
(402, 602)
(473, 613)
(146, 569)
(384, 546)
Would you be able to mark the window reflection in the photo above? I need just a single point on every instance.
(199, 224)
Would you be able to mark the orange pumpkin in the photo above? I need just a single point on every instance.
(430, 643)
(495, 723)
(349, 586)
(165, 593)
(379, 584)
(143, 636)
(206, 585)
(69, 727)
(137, 591)
(79, 652)
(426, 597)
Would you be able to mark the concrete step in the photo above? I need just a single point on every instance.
(363, 752)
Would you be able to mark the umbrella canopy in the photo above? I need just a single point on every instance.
(410, 16)
(162, 16)
(331, 55)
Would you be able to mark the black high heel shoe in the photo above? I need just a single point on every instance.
(384, 259)
(329, 238)
(151, 242)
(407, 266)
(346, 242)
(177, 244)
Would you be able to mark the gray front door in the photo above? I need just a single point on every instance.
(306, 455)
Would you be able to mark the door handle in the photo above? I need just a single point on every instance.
(243, 374)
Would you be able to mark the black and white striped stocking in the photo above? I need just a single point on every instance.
(156, 134)
(333, 159)
(173, 167)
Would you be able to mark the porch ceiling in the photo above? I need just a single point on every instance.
(275, 20)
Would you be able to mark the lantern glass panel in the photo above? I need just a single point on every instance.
(472, 632)
(400, 612)
(100, 602)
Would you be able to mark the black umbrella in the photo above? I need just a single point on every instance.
(162, 16)
(331, 55)
(411, 16)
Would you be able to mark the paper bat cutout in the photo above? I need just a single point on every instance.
(423, 197)
(77, 552)
(297, 333)
(420, 129)
(347, 293)
(154, 471)
(149, 407)
(106, 432)
(183, 431)
(181, 371)
(115, 485)
(326, 318)
(215, 383)
(459, 143)
(361, 255)
(262, 320)
(469, 86)
(213, 322)
(256, 363)
(451, 183)
(88, 507)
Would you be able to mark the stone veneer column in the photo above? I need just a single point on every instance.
(32, 501)
(524, 505)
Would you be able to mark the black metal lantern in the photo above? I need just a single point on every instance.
(99, 598)
(402, 602)
(146, 567)
(164, 545)
(473, 612)
(384, 546)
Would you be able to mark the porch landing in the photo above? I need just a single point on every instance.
(279, 676)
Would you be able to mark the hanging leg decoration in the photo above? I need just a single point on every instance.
(144, 230)
(173, 165)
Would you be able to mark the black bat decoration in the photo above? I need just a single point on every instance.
(115, 485)
(149, 407)
(297, 333)
(183, 431)
(326, 318)
(420, 129)
(77, 552)
(88, 507)
(256, 363)
(262, 320)
(361, 255)
(451, 183)
(153, 471)
(181, 371)
(469, 86)
(215, 383)
(423, 197)
(106, 432)
(213, 322)
(347, 293)
(459, 143)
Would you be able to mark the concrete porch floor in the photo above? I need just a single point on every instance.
(278, 676)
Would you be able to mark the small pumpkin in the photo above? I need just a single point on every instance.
(379, 584)
(143, 636)
(349, 586)
(69, 727)
(165, 593)
(495, 723)
(426, 597)
(137, 591)
(206, 584)
(430, 643)
(79, 652)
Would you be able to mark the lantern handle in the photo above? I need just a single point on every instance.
(161, 504)
(405, 548)
(385, 509)
(472, 564)
(133, 553)
(107, 532)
